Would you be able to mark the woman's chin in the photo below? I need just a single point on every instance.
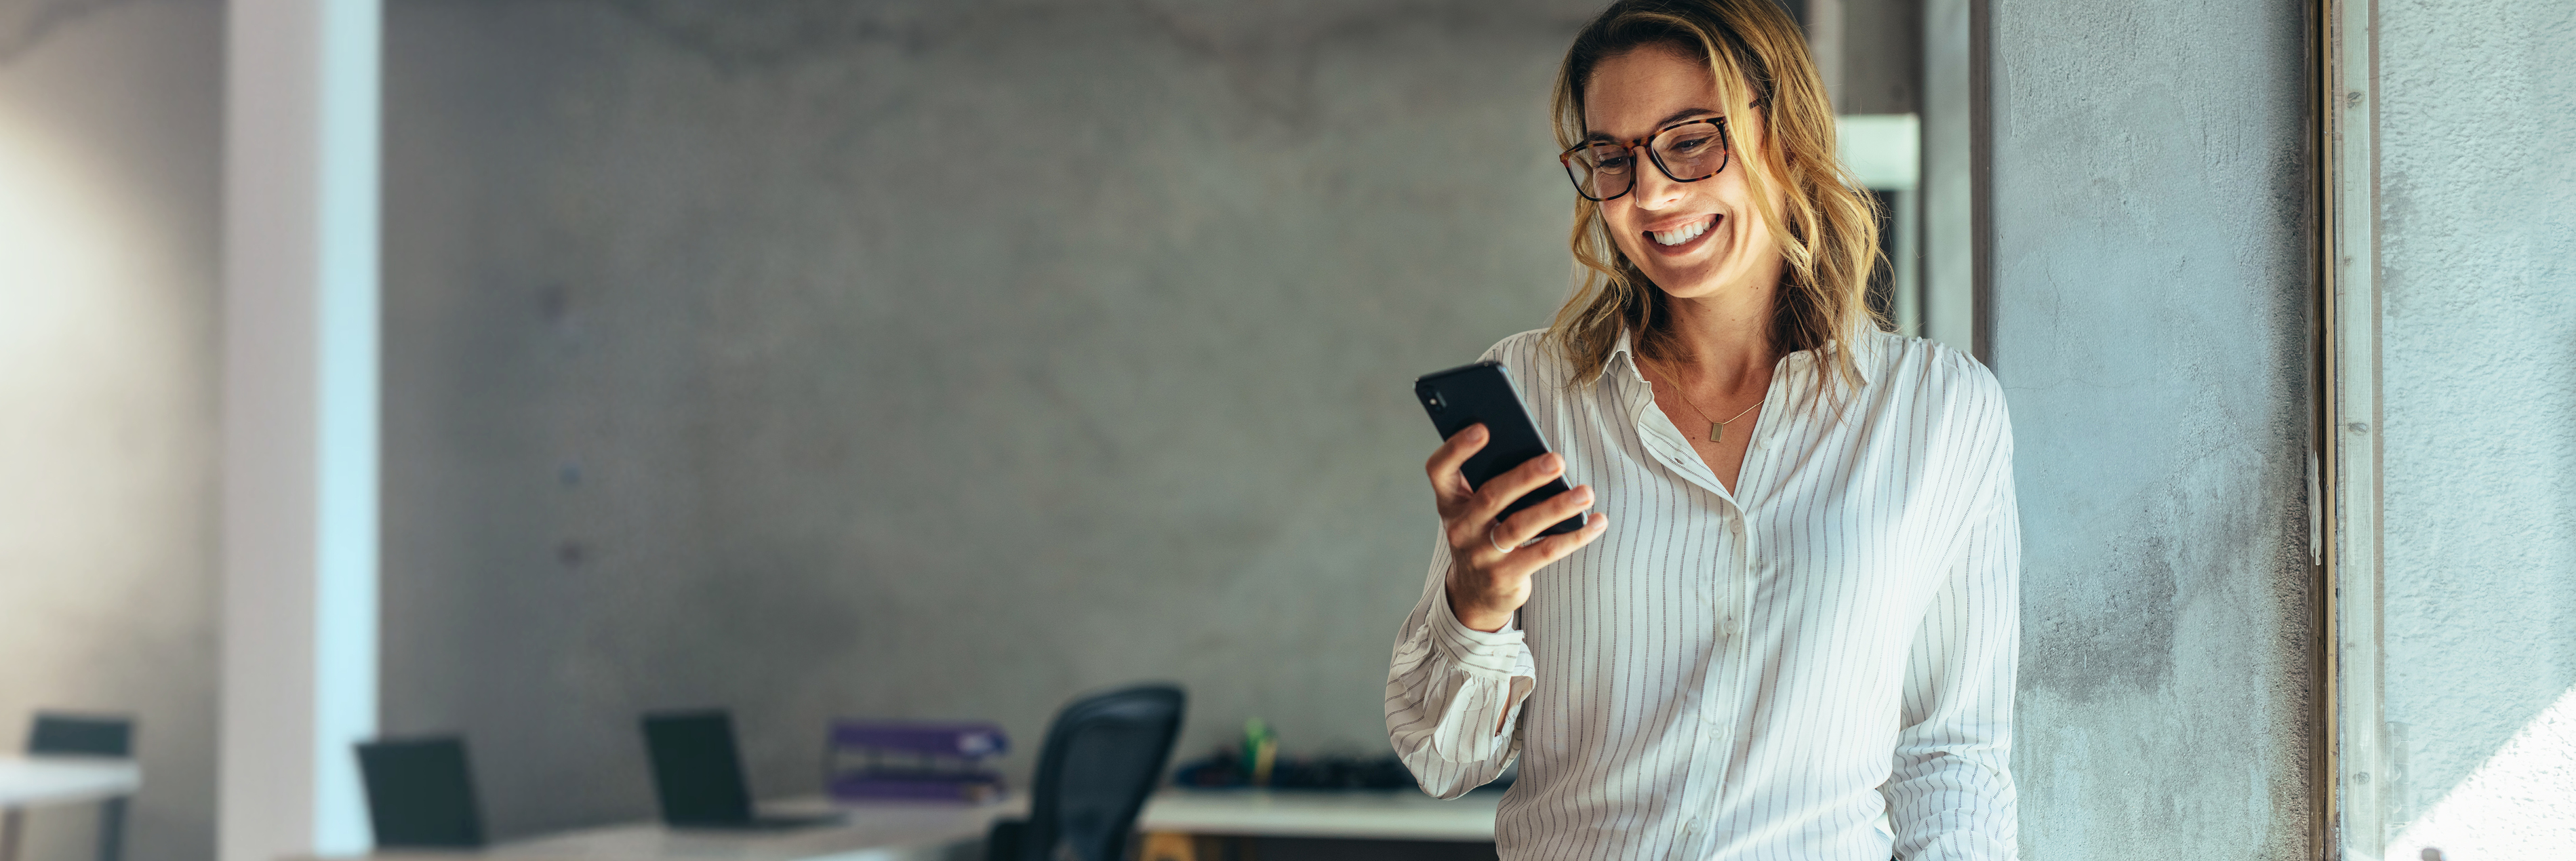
(1687, 276)
(1686, 282)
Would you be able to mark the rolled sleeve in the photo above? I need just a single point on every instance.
(1453, 694)
(1485, 652)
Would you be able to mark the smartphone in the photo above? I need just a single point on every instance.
(1465, 396)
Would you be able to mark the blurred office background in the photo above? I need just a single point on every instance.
(945, 360)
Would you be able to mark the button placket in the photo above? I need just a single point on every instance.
(1699, 788)
(1752, 549)
(1712, 748)
(1723, 648)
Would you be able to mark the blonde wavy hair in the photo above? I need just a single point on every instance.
(1827, 227)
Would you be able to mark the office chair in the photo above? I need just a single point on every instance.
(420, 792)
(1104, 754)
(59, 734)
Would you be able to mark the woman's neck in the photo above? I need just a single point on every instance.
(1721, 342)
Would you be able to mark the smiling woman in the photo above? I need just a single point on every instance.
(1790, 192)
(1809, 619)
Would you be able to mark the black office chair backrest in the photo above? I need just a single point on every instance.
(1104, 754)
(58, 734)
(420, 792)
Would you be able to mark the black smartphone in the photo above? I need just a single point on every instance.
(1465, 396)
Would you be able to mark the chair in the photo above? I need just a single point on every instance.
(1104, 754)
(60, 734)
(57, 734)
(420, 793)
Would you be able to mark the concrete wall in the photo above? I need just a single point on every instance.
(109, 134)
(2477, 280)
(2148, 299)
(929, 359)
(1882, 57)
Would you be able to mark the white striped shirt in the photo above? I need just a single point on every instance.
(1748, 675)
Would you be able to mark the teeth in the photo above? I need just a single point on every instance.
(1686, 234)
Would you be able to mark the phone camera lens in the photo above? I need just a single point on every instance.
(1433, 401)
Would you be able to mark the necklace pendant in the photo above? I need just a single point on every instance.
(1716, 431)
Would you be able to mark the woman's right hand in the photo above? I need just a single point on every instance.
(1486, 581)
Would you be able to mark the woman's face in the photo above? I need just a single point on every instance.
(1634, 95)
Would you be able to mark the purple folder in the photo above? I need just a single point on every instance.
(915, 760)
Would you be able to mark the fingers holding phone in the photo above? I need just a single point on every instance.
(1491, 561)
(1495, 499)
(1448, 486)
(1505, 507)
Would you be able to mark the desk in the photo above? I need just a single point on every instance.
(889, 831)
(1175, 818)
(44, 780)
(874, 832)
(1378, 814)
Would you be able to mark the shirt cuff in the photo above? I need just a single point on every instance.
(1493, 654)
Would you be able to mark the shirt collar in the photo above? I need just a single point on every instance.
(1622, 355)
(1864, 353)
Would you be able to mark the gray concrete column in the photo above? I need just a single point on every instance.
(2148, 305)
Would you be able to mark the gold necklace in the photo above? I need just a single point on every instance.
(1716, 429)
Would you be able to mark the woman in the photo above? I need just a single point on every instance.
(1795, 607)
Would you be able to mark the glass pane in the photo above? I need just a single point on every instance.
(1898, 75)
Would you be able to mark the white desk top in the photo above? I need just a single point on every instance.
(873, 832)
(885, 831)
(1395, 814)
(39, 780)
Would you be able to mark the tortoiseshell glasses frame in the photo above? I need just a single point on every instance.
(1687, 151)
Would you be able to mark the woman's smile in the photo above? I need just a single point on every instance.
(1683, 237)
(1681, 231)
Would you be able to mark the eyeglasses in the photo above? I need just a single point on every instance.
(1686, 151)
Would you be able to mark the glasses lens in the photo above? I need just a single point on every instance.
(1601, 171)
(1692, 152)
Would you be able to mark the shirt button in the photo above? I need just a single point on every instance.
(1690, 828)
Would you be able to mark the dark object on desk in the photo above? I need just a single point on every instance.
(420, 793)
(697, 774)
(1103, 756)
(60, 734)
(914, 760)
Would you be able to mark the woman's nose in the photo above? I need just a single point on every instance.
(1654, 190)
